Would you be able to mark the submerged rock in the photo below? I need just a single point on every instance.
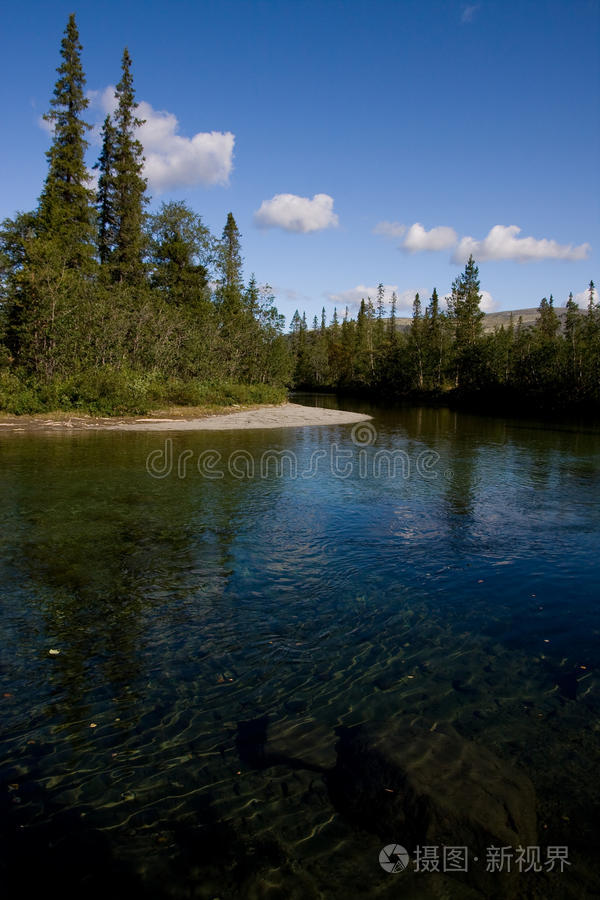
(422, 787)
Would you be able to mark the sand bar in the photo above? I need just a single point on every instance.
(286, 415)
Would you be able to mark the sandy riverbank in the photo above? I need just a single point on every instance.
(286, 415)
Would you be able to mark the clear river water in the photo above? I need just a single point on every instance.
(221, 611)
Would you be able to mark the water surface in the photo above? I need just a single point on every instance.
(461, 590)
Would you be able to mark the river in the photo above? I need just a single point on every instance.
(431, 567)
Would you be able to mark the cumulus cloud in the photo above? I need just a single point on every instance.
(353, 296)
(502, 242)
(173, 160)
(417, 238)
(176, 161)
(487, 303)
(390, 229)
(583, 297)
(439, 238)
(299, 214)
(104, 100)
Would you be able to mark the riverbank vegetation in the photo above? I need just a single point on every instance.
(445, 353)
(108, 309)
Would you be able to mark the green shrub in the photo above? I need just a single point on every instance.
(120, 392)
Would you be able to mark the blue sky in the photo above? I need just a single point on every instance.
(354, 142)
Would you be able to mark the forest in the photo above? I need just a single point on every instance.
(445, 352)
(110, 309)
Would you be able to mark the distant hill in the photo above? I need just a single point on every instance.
(495, 320)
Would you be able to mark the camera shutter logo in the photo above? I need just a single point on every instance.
(394, 858)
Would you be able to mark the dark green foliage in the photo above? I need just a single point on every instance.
(179, 255)
(48, 255)
(230, 295)
(416, 343)
(547, 364)
(465, 316)
(129, 184)
(106, 194)
(65, 212)
(230, 257)
(109, 391)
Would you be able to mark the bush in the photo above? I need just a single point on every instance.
(18, 396)
(119, 392)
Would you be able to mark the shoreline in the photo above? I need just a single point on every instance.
(286, 415)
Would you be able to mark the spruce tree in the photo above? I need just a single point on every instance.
(65, 213)
(547, 323)
(362, 352)
(106, 194)
(435, 339)
(466, 316)
(129, 183)
(416, 335)
(592, 344)
(572, 332)
(230, 257)
(229, 295)
(380, 325)
(593, 307)
(392, 320)
(178, 248)
(46, 324)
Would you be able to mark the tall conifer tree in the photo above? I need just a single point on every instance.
(106, 194)
(66, 214)
(129, 183)
(230, 255)
(466, 316)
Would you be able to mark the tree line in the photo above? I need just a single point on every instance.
(555, 361)
(95, 292)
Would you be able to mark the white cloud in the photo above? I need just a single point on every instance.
(502, 243)
(439, 238)
(488, 304)
(104, 99)
(468, 12)
(417, 238)
(390, 229)
(353, 296)
(290, 294)
(299, 214)
(583, 297)
(173, 160)
(45, 125)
